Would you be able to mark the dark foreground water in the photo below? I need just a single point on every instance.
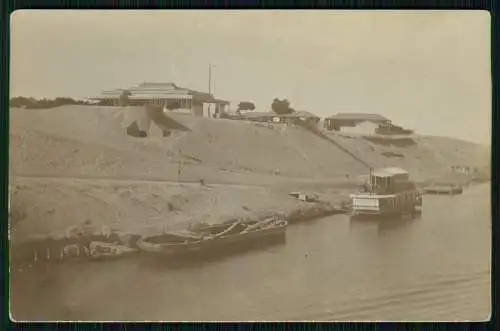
(436, 267)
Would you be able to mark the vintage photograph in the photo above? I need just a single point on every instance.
(250, 165)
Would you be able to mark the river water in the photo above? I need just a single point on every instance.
(436, 267)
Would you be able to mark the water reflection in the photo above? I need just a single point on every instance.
(164, 263)
(393, 226)
(380, 228)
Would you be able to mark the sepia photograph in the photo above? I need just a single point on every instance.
(250, 165)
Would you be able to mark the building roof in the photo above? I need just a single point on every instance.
(359, 117)
(389, 172)
(301, 113)
(224, 102)
(295, 114)
(254, 114)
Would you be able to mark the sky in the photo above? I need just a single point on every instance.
(426, 70)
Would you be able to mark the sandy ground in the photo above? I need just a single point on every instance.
(139, 207)
(75, 163)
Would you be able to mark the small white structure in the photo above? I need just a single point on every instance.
(365, 127)
(209, 110)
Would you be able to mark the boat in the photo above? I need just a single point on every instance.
(302, 196)
(388, 192)
(105, 250)
(223, 237)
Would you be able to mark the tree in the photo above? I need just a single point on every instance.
(105, 102)
(60, 101)
(22, 102)
(32, 103)
(246, 105)
(281, 107)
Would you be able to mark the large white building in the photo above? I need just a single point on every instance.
(167, 94)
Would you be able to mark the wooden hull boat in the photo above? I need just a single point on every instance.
(221, 238)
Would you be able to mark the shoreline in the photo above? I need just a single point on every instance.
(330, 200)
(51, 250)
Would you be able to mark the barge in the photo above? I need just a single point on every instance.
(218, 238)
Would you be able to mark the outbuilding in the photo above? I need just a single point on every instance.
(355, 123)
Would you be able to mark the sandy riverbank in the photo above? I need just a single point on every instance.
(133, 209)
(142, 208)
(73, 164)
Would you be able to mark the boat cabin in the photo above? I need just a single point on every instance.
(389, 181)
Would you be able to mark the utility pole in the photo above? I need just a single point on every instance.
(210, 78)
(210, 65)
